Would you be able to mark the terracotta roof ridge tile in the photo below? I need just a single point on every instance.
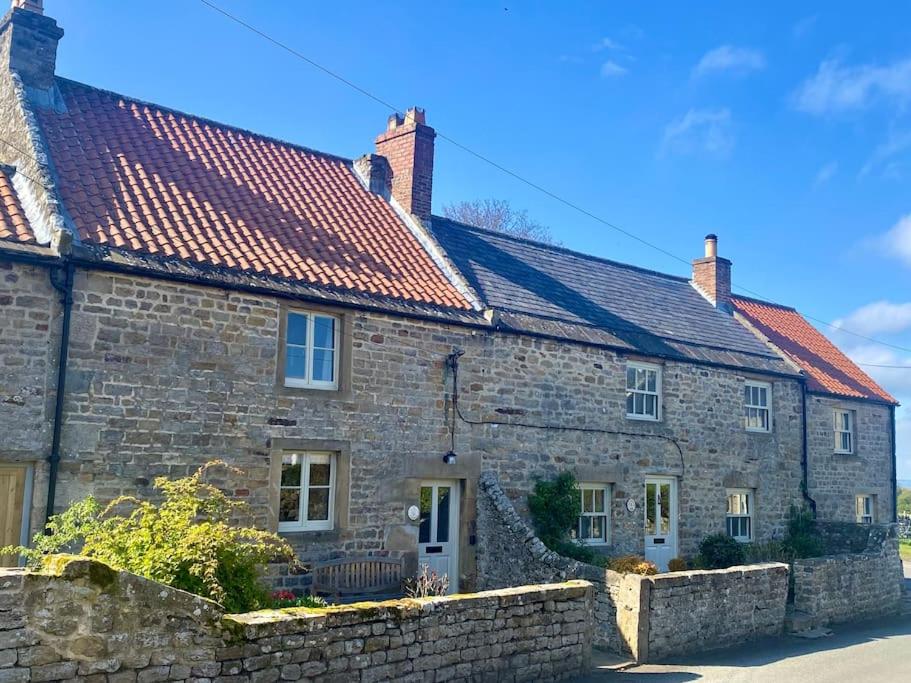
(205, 120)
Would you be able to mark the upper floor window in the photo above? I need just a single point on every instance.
(643, 391)
(844, 431)
(311, 353)
(757, 406)
(863, 507)
(739, 519)
(594, 522)
(307, 497)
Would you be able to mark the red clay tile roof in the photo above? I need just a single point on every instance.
(828, 370)
(14, 226)
(140, 177)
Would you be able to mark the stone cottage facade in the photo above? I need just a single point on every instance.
(175, 290)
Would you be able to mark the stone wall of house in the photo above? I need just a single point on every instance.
(29, 315)
(82, 619)
(835, 479)
(165, 376)
(852, 586)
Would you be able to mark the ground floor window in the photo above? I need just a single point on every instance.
(740, 514)
(864, 509)
(594, 522)
(307, 497)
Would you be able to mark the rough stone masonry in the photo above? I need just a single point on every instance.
(80, 620)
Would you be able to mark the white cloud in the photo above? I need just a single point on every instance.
(897, 143)
(610, 69)
(879, 317)
(838, 88)
(825, 173)
(609, 44)
(707, 131)
(897, 241)
(728, 58)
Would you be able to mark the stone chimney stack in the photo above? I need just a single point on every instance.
(407, 145)
(28, 43)
(712, 275)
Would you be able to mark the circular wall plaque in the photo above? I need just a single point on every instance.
(414, 513)
(631, 504)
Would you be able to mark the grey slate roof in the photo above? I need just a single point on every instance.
(550, 290)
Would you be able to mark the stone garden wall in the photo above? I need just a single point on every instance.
(701, 610)
(82, 619)
(648, 617)
(852, 586)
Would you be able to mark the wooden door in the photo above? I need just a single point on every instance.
(12, 496)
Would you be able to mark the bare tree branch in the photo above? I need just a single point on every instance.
(499, 215)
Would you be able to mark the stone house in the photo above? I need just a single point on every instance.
(176, 290)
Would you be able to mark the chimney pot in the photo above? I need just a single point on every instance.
(36, 6)
(407, 145)
(711, 246)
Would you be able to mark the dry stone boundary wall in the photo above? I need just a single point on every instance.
(82, 621)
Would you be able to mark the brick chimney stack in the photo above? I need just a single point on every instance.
(407, 144)
(712, 275)
(28, 43)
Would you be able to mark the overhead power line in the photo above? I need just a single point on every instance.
(385, 103)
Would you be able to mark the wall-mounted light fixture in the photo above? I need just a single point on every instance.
(450, 458)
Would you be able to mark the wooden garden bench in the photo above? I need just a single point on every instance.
(350, 578)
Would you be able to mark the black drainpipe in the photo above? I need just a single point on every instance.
(804, 458)
(894, 469)
(66, 298)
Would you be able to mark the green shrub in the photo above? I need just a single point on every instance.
(555, 507)
(678, 564)
(720, 551)
(803, 539)
(185, 541)
(632, 564)
(579, 552)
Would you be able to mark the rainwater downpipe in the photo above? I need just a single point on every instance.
(804, 456)
(65, 287)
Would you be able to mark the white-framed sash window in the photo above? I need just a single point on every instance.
(593, 527)
(757, 406)
(844, 430)
(311, 350)
(863, 508)
(307, 498)
(739, 518)
(643, 391)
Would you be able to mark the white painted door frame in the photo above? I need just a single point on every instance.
(438, 542)
(661, 531)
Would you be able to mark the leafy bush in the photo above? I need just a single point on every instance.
(678, 564)
(802, 539)
(283, 599)
(632, 564)
(555, 507)
(720, 551)
(186, 541)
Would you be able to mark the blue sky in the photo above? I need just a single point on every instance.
(783, 127)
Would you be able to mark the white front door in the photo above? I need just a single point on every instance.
(660, 520)
(438, 534)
